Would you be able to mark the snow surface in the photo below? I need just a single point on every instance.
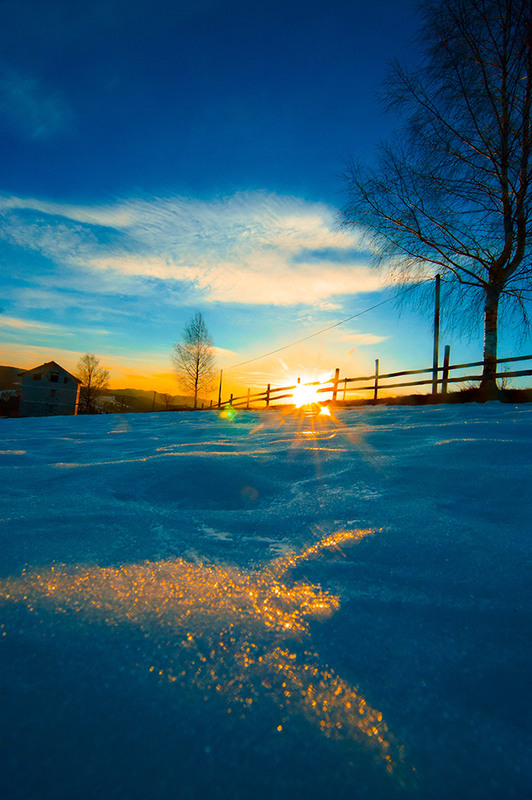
(273, 606)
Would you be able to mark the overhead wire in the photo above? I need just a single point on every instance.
(324, 330)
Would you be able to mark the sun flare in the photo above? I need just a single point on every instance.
(310, 392)
(305, 395)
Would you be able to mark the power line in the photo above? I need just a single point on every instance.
(324, 330)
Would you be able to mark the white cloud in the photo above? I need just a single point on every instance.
(259, 280)
(361, 338)
(250, 248)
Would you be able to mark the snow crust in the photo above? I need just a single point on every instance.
(271, 606)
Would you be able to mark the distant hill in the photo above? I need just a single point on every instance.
(142, 400)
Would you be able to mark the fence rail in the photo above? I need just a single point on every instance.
(439, 376)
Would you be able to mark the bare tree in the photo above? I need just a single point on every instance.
(453, 190)
(94, 380)
(194, 357)
(167, 400)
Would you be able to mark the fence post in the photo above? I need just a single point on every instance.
(435, 355)
(268, 396)
(231, 399)
(376, 389)
(247, 405)
(220, 390)
(335, 384)
(345, 387)
(445, 374)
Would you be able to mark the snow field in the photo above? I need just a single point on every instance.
(271, 606)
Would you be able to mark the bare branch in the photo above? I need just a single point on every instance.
(94, 380)
(193, 358)
(453, 190)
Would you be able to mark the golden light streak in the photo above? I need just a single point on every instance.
(233, 632)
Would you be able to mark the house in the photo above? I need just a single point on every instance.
(48, 390)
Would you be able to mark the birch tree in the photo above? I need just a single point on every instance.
(193, 357)
(453, 190)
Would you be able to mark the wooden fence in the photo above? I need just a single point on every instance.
(336, 389)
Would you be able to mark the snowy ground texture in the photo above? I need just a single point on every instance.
(273, 606)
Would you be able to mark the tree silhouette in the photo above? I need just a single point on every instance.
(94, 380)
(193, 358)
(453, 190)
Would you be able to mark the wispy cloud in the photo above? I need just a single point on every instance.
(250, 248)
(23, 324)
(223, 352)
(30, 108)
(361, 338)
(105, 216)
(260, 279)
(33, 326)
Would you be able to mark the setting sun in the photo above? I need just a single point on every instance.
(306, 395)
(311, 393)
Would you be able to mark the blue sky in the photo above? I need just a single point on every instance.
(165, 157)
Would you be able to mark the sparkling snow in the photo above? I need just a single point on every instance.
(271, 606)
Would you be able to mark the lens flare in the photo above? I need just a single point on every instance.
(228, 413)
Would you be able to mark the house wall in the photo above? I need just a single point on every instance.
(53, 393)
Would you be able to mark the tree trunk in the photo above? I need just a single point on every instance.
(488, 384)
(196, 391)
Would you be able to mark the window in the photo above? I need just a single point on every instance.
(36, 376)
(65, 380)
(54, 377)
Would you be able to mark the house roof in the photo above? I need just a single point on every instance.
(50, 365)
